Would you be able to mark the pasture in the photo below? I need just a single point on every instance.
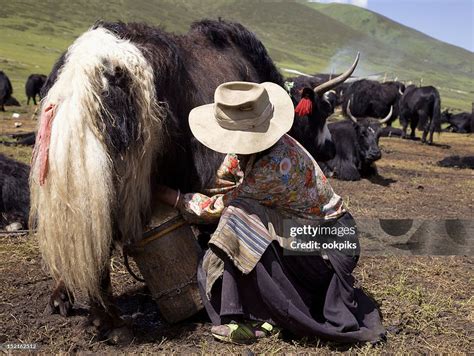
(426, 302)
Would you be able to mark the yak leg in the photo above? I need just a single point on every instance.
(105, 316)
(61, 301)
(432, 129)
(34, 99)
(28, 101)
(404, 123)
(404, 129)
(413, 124)
(426, 126)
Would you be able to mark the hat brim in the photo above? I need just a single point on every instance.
(206, 129)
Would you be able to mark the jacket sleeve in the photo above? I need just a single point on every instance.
(200, 208)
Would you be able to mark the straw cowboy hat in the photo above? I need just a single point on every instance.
(245, 117)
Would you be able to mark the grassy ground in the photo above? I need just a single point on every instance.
(426, 301)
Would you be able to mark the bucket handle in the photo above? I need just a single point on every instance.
(127, 266)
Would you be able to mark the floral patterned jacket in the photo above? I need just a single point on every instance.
(287, 178)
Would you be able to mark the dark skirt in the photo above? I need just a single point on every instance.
(303, 294)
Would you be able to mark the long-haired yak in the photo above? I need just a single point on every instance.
(114, 123)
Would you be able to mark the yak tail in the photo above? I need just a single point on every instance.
(437, 114)
(95, 184)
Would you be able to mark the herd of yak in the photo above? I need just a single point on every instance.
(345, 149)
(114, 99)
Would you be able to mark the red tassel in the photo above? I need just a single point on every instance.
(304, 107)
(43, 139)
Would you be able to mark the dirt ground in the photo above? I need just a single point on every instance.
(426, 301)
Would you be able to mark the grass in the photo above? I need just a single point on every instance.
(426, 303)
(305, 36)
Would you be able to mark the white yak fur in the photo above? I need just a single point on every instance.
(86, 189)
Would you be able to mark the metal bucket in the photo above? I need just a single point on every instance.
(168, 257)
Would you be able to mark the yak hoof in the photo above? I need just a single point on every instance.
(60, 302)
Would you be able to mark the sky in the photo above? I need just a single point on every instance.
(451, 21)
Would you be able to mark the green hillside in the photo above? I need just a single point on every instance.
(299, 35)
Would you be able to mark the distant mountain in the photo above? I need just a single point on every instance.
(309, 37)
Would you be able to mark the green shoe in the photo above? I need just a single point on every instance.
(265, 329)
(243, 333)
(234, 333)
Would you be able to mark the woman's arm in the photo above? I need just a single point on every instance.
(168, 196)
(195, 207)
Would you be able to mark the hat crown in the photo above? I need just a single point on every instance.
(242, 105)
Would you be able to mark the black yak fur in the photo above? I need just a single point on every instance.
(187, 69)
(14, 192)
(6, 90)
(390, 132)
(12, 101)
(311, 130)
(33, 86)
(457, 162)
(459, 123)
(357, 149)
(23, 139)
(370, 98)
(421, 108)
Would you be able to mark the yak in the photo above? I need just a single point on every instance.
(370, 98)
(421, 107)
(33, 86)
(457, 162)
(460, 123)
(357, 150)
(6, 90)
(21, 139)
(312, 108)
(14, 192)
(114, 123)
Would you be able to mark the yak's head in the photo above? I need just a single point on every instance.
(446, 116)
(313, 106)
(368, 133)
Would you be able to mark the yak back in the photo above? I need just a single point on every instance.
(422, 100)
(6, 88)
(14, 191)
(187, 70)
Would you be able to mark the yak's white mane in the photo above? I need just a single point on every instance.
(86, 189)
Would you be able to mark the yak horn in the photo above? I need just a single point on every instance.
(348, 110)
(322, 88)
(400, 91)
(386, 118)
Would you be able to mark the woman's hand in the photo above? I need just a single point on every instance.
(168, 196)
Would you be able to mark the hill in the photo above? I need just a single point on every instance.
(305, 36)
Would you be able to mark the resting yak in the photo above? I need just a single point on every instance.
(312, 110)
(460, 123)
(6, 90)
(370, 98)
(21, 139)
(121, 127)
(33, 86)
(14, 192)
(357, 146)
(421, 107)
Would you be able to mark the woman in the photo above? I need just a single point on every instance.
(258, 274)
